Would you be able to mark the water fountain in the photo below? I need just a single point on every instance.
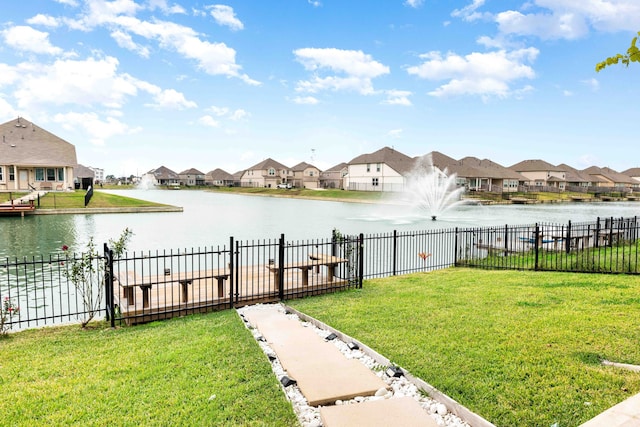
(432, 190)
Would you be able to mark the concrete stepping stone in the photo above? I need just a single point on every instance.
(401, 411)
(322, 372)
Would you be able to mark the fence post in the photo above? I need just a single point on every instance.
(455, 248)
(236, 295)
(108, 283)
(567, 241)
(232, 269)
(281, 268)
(395, 252)
(334, 242)
(596, 238)
(360, 259)
(536, 246)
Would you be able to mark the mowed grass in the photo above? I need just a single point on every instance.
(336, 195)
(201, 370)
(518, 348)
(75, 200)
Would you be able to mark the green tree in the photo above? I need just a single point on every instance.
(633, 55)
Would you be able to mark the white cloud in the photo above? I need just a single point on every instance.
(470, 12)
(225, 112)
(170, 99)
(567, 92)
(27, 39)
(593, 83)
(44, 20)
(224, 15)
(306, 100)
(98, 129)
(209, 121)
(125, 41)
(73, 3)
(414, 3)
(397, 97)
(545, 26)
(314, 3)
(163, 6)
(357, 67)
(483, 74)
(79, 82)
(571, 19)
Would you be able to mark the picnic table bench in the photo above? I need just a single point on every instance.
(129, 280)
(315, 260)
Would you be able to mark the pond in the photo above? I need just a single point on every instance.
(210, 218)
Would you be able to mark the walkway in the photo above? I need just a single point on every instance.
(324, 375)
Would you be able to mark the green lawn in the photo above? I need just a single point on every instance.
(518, 348)
(201, 370)
(75, 200)
(372, 196)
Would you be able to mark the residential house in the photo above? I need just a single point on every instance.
(576, 180)
(237, 176)
(305, 176)
(268, 173)
(633, 173)
(334, 176)
(33, 158)
(611, 179)
(540, 174)
(84, 177)
(162, 176)
(382, 170)
(219, 178)
(486, 175)
(191, 177)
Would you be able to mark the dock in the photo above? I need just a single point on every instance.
(143, 298)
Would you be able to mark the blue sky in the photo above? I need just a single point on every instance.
(139, 84)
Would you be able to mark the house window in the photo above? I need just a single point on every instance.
(39, 174)
(12, 173)
(1, 174)
(60, 174)
(272, 172)
(310, 173)
(368, 167)
(51, 174)
(378, 167)
(374, 182)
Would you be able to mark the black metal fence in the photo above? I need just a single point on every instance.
(143, 286)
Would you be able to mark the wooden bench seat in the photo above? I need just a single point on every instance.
(315, 260)
(129, 280)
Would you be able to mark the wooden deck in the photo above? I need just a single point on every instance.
(146, 298)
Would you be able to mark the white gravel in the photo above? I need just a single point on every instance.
(309, 416)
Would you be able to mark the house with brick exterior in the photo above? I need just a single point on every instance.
(305, 176)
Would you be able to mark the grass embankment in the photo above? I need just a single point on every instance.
(201, 370)
(518, 348)
(75, 200)
(359, 196)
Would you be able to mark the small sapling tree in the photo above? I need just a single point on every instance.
(87, 273)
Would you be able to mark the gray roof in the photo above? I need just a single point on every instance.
(632, 172)
(534, 166)
(473, 167)
(219, 175)
(163, 173)
(268, 163)
(574, 175)
(398, 161)
(338, 167)
(610, 175)
(80, 171)
(302, 166)
(191, 171)
(25, 144)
